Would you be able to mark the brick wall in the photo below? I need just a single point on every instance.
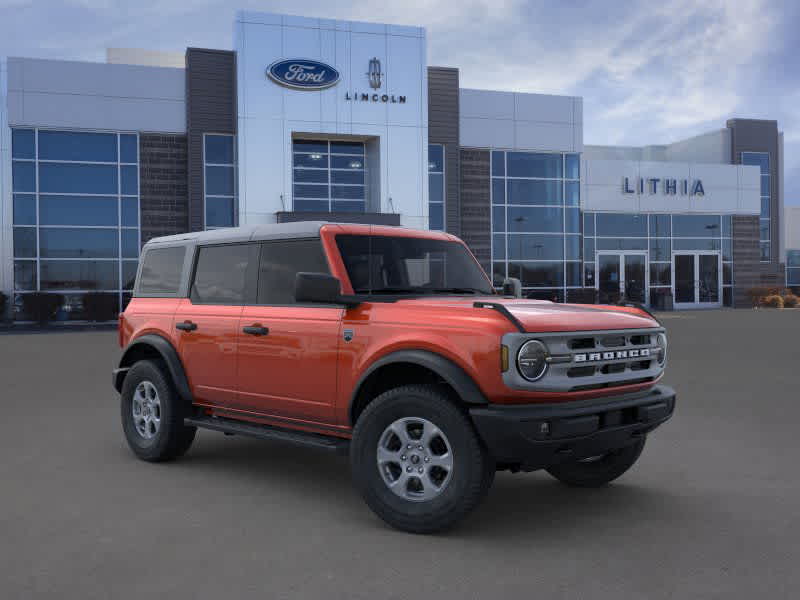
(163, 181)
(476, 218)
(746, 253)
(443, 128)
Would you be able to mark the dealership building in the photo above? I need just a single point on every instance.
(311, 119)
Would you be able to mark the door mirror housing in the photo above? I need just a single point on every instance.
(512, 287)
(320, 288)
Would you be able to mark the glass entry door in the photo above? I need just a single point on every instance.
(622, 275)
(697, 279)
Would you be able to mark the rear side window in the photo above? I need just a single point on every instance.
(161, 271)
(281, 262)
(220, 274)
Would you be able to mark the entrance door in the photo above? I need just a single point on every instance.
(697, 279)
(622, 275)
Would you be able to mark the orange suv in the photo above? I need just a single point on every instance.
(389, 344)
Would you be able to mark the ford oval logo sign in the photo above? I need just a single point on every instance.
(303, 74)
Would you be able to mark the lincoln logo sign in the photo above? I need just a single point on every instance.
(668, 186)
(302, 74)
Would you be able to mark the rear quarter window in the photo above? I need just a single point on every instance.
(161, 271)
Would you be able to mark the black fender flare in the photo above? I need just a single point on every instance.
(450, 372)
(168, 354)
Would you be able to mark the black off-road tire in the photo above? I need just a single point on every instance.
(472, 469)
(172, 438)
(600, 471)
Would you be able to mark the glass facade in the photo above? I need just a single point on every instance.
(75, 215)
(793, 268)
(536, 226)
(658, 235)
(219, 168)
(436, 186)
(328, 176)
(761, 160)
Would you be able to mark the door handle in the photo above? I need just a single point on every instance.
(186, 326)
(255, 330)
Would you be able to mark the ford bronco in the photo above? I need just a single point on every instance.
(390, 344)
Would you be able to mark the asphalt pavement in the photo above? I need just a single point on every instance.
(711, 510)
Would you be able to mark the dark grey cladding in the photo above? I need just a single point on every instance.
(476, 218)
(163, 193)
(443, 113)
(210, 108)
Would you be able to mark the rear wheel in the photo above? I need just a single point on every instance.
(152, 414)
(417, 460)
(598, 470)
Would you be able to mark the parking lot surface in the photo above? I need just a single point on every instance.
(712, 509)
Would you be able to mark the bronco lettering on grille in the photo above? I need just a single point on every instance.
(616, 355)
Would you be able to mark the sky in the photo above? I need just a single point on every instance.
(649, 72)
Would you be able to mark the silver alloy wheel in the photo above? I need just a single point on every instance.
(146, 408)
(415, 459)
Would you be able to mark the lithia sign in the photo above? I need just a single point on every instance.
(306, 74)
(667, 186)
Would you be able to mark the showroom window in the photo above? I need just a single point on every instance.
(536, 221)
(659, 235)
(793, 268)
(219, 160)
(75, 215)
(328, 176)
(436, 187)
(761, 160)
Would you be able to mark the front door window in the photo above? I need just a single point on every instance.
(622, 277)
(697, 279)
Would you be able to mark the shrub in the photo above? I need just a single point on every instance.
(773, 301)
(41, 306)
(99, 306)
(790, 301)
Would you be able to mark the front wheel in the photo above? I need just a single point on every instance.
(417, 460)
(597, 471)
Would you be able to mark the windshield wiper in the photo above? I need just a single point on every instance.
(459, 290)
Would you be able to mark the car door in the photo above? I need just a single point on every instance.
(207, 322)
(286, 351)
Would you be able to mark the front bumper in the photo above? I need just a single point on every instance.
(533, 437)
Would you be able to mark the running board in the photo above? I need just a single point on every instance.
(267, 432)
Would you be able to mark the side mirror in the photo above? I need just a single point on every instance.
(512, 287)
(320, 288)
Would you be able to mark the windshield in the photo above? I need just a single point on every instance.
(407, 265)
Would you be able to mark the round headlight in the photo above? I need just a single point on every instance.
(661, 342)
(532, 360)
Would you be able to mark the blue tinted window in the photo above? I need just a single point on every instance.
(621, 244)
(128, 149)
(77, 179)
(573, 274)
(313, 161)
(696, 225)
(129, 273)
(311, 205)
(572, 220)
(529, 164)
(219, 212)
(793, 277)
(310, 146)
(129, 180)
(527, 191)
(219, 149)
(347, 192)
(73, 145)
(498, 163)
(25, 242)
(535, 247)
(312, 175)
(726, 225)
(347, 148)
(499, 247)
(727, 249)
(347, 206)
(498, 218)
(588, 249)
(660, 249)
(130, 212)
(573, 166)
(764, 229)
(130, 243)
(765, 208)
(572, 246)
(766, 251)
(621, 225)
(765, 185)
(78, 243)
(543, 274)
(23, 176)
(572, 190)
(25, 275)
(588, 224)
(759, 159)
(536, 219)
(660, 226)
(435, 158)
(24, 209)
(357, 177)
(436, 187)
(498, 191)
(793, 258)
(77, 210)
(436, 216)
(344, 162)
(695, 244)
(79, 275)
(219, 181)
(23, 143)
